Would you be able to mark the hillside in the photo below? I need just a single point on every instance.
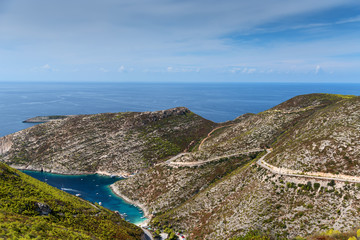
(216, 181)
(328, 141)
(111, 143)
(32, 209)
(247, 196)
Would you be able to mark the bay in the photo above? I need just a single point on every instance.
(218, 102)
(94, 188)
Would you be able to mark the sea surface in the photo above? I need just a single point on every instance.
(218, 102)
(94, 188)
(215, 101)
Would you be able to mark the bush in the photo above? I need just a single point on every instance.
(332, 183)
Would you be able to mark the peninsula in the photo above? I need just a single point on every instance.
(289, 171)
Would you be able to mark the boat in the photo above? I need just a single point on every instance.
(78, 194)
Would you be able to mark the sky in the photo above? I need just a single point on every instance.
(180, 40)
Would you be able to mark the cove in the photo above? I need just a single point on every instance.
(94, 188)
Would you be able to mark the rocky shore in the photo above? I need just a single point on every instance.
(135, 203)
(43, 119)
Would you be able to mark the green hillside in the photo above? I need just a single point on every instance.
(30, 209)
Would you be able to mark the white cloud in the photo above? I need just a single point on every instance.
(235, 70)
(121, 68)
(317, 69)
(251, 70)
(156, 34)
(46, 66)
(103, 70)
(349, 20)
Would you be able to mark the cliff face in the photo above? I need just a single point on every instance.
(5, 144)
(113, 143)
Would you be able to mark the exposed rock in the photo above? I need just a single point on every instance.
(223, 198)
(43, 208)
(110, 143)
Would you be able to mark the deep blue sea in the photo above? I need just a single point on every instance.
(215, 101)
(94, 188)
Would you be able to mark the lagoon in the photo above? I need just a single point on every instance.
(94, 188)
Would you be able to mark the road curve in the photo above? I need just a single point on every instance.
(314, 175)
(147, 235)
(171, 162)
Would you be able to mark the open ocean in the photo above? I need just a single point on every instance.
(215, 101)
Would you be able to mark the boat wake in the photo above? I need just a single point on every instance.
(69, 190)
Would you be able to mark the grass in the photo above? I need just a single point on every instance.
(70, 217)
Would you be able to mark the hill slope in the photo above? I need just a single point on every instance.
(113, 143)
(30, 209)
(248, 196)
(216, 190)
(327, 142)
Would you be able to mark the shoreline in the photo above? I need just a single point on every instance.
(135, 203)
(103, 173)
(112, 188)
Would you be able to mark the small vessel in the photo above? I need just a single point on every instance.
(100, 203)
(78, 194)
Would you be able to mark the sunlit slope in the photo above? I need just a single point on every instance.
(30, 209)
(116, 143)
(328, 141)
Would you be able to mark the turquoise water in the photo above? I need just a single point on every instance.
(215, 101)
(94, 188)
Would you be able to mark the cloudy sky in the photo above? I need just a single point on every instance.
(180, 40)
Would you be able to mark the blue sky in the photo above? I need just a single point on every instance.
(172, 41)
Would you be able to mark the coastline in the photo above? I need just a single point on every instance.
(40, 169)
(136, 203)
(112, 188)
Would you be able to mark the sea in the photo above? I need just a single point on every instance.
(218, 102)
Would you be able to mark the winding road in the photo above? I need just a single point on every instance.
(209, 134)
(171, 162)
(313, 175)
(276, 170)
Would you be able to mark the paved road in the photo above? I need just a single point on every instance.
(313, 175)
(171, 162)
(147, 235)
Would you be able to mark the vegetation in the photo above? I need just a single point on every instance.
(32, 209)
(332, 234)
